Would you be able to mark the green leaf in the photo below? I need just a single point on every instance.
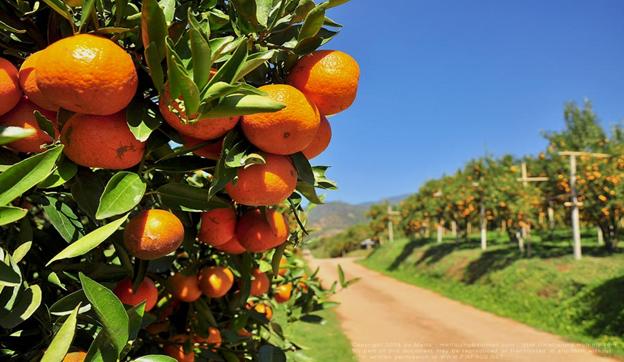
(333, 3)
(309, 192)
(153, 59)
(102, 349)
(246, 10)
(89, 241)
(341, 276)
(45, 124)
(86, 190)
(254, 61)
(277, 257)
(263, 9)
(61, 8)
(10, 214)
(87, 9)
(10, 134)
(169, 7)
(27, 302)
(202, 55)
(224, 174)
(62, 340)
(154, 358)
(25, 174)
(313, 23)
(153, 30)
(64, 172)
(304, 169)
(122, 192)
(181, 86)
(9, 276)
(270, 353)
(66, 304)
(239, 105)
(63, 219)
(189, 198)
(135, 317)
(229, 71)
(142, 120)
(110, 311)
(21, 251)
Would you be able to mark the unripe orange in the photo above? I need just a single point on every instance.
(218, 226)
(153, 234)
(146, 292)
(10, 91)
(184, 287)
(260, 231)
(215, 281)
(259, 283)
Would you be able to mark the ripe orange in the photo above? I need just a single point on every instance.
(146, 292)
(259, 283)
(264, 309)
(264, 184)
(231, 247)
(321, 140)
(28, 82)
(329, 78)
(75, 356)
(215, 281)
(211, 151)
(101, 141)
(213, 339)
(184, 287)
(260, 231)
(282, 293)
(217, 226)
(175, 348)
(10, 92)
(288, 130)
(203, 129)
(283, 263)
(153, 234)
(22, 116)
(87, 74)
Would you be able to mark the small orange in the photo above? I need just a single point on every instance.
(22, 116)
(28, 82)
(244, 333)
(321, 140)
(283, 263)
(264, 184)
(203, 129)
(211, 151)
(259, 283)
(153, 234)
(184, 287)
(282, 293)
(10, 91)
(288, 130)
(213, 339)
(101, 141)
(87, 74)
(146, 292)
(215, 281)
(264, 309)
(175, 348)
(217, 226)
(75, 356)
(231, 247)
(329, 78)
(260, 231)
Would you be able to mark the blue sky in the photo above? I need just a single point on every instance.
(445, 81)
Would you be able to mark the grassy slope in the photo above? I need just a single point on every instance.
(581, 300)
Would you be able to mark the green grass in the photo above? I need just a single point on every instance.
(320, 342)
(580, 300)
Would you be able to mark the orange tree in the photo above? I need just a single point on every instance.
(154, 165)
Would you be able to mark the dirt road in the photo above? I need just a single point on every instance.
(389, 320)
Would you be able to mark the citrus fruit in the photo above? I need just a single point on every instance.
(28, 82)
(231, 247)
(259, 283)
(22, 116)
(259, 231)
(282, 266)
(288, 130)
(321, 140)
(10, 91)
(87, 74)
(146, 292)
(101, 141)
(75, 356)
(211, 151)
(153, 234)
(213, 339)
(264, 184)
(329, 78)
(264, 309)
(282, 293)
(215, 281)
(175, 348)
(217, 226)
(203, 128)
(184, 287)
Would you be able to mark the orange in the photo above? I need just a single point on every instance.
(213, 338)
(153, 234)
(101, 141)
(87, 74)
(10, 91)
(321, 140)
(259, 283)
(288, 130)
(215, 281)
(75, 356)
(260, 231)
(211, 151)
(175, 348)
(231, 247)
(283, 266)
(203, 128)
(28, 82)
(264, 309)
(217, 226)
(329, 78)
(264, 184)
(282, 293)
(146, 292)
(22, 116)
(184, 287)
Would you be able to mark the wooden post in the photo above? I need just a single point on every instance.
(551, 218)
(599, 235)
(391, 213)
(454, 229)
(483, 227)
(524, 234)
(440, 232)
